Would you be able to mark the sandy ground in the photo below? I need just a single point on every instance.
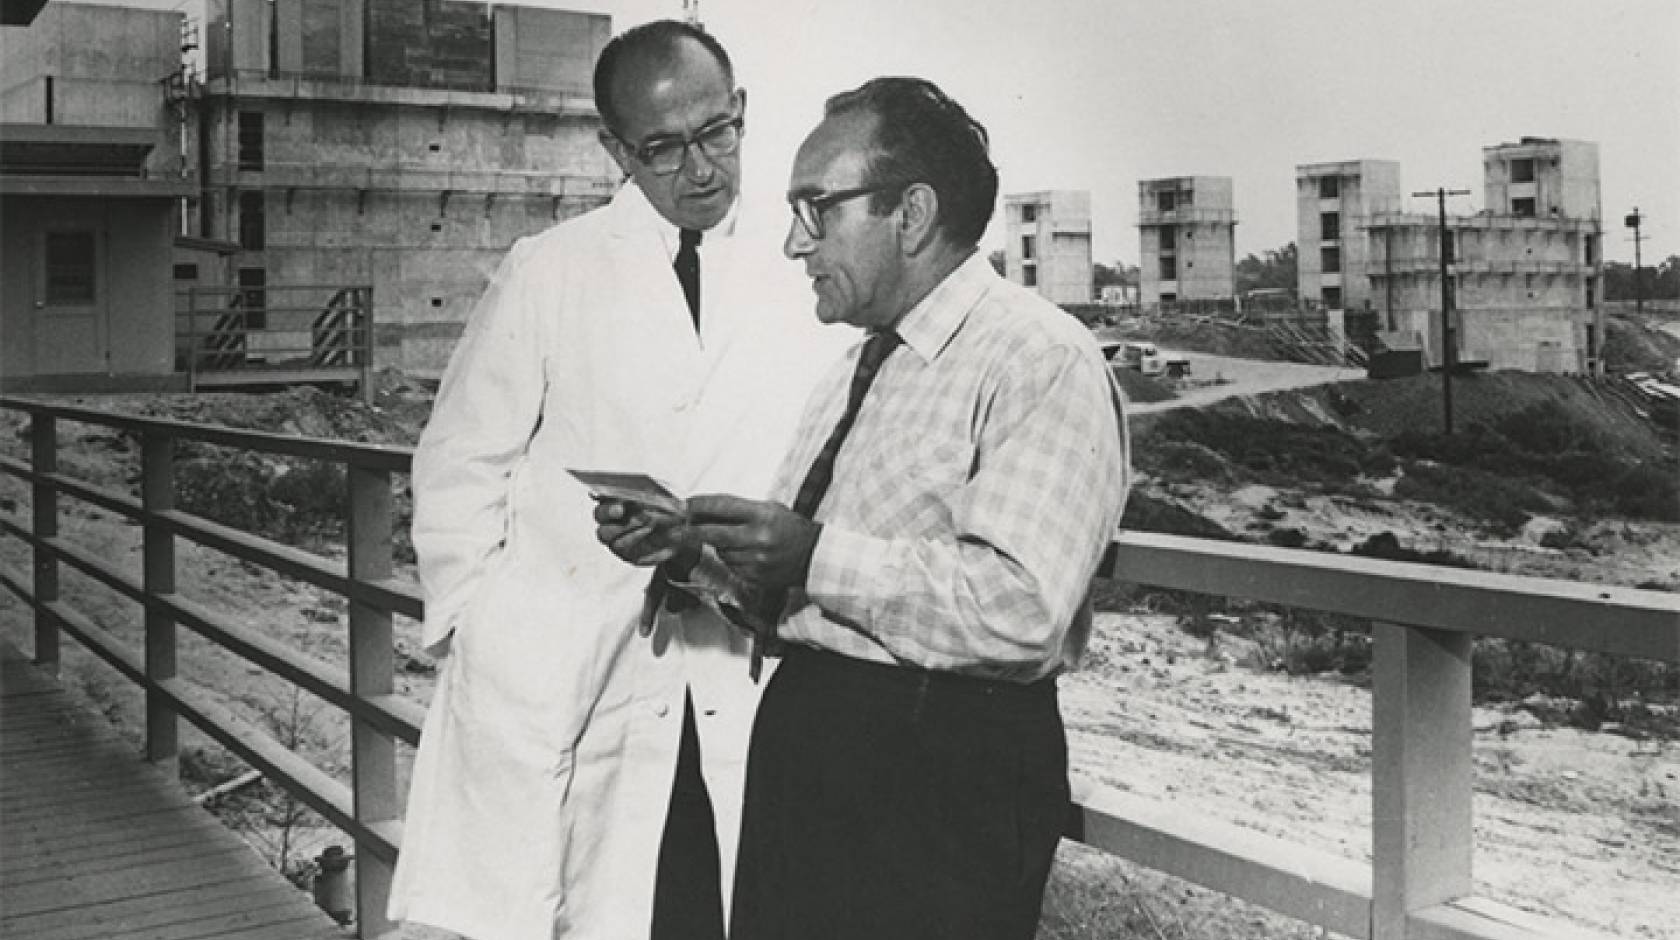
(1569, 824)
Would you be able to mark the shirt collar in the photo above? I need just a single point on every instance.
(929, 325)
(671, 236)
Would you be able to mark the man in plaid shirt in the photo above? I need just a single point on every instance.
(908, 771)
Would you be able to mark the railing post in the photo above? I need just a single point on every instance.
(373, 766)
(365, 341)
(43, 456)
(192, 339)
(1421, 840)
(157, 495)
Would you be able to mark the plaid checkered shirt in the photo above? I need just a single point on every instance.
(975, 495)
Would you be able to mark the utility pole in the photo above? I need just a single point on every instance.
(1633, 220)
(1449, 345)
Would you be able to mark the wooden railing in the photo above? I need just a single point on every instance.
(369, 809)
(1418, 884)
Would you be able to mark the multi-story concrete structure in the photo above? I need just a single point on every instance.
(1049, 244)
(91, 174)
(399, 144)
(1524, 275)
(1334, 204)
(1187, 227)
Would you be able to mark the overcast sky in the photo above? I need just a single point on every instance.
(1098, 94)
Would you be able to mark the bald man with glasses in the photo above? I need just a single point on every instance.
(581, 766)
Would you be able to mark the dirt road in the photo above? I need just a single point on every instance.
(1215, 377)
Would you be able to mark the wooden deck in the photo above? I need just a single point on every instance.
(96, 843)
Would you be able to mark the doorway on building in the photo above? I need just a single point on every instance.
(72, 300)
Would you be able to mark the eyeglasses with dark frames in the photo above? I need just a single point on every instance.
(809, 209)
(666, 155)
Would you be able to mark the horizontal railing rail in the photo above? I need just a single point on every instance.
(1417, 883)
(369, 808)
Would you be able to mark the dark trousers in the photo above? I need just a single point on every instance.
(886, 803)
(687, 899)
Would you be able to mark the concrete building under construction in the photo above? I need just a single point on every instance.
(1335, 203)
(1048, 247)
(399, 144)
(1187, 227)
(1524, 275)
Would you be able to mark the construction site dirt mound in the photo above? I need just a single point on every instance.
(1635, 345)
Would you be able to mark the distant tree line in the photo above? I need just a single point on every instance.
(1661, 282)
(1275, 270)
(1120, 273)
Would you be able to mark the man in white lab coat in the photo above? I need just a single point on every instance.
(543, 801)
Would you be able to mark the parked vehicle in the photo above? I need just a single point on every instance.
(1143, 357)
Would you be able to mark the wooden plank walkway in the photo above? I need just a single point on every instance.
(96, 844)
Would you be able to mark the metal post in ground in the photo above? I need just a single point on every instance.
(1449, 352)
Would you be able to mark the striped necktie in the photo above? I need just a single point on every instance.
(821, 474)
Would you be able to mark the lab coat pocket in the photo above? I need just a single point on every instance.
(531, 658)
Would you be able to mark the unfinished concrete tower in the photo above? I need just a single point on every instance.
(1334, 203)
(1187, 227)
(1523, 276)
(1049, 244)
(399, 144)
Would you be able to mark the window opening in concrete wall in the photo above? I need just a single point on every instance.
(1522, 170)
(1167, 238)
(1029, 276)
(186, 272)
(250, 140)
(1330, 258)
(1589, 250)
(1329, 226)
(1164, 200)
(1591, 286)
(1028, 244)
(1332, 297)
(253, 299)
(1329, 187)
(1029, 213)
(251, 225)
(1169, 268)
(1523, 207)
(71, 267)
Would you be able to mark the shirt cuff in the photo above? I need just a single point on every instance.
(844, 567)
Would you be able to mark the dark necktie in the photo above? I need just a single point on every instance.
(821, 474)
(687, 266)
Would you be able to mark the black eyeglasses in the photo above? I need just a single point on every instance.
(809, 209)
(666, 155)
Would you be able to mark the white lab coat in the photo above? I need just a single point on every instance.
(544, 770)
